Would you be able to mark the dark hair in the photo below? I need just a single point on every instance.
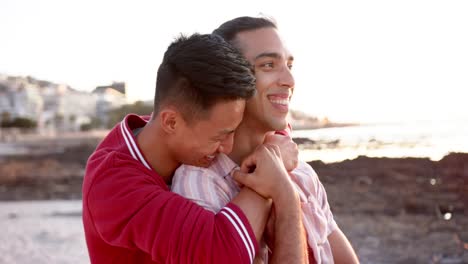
(228, 30)
(199, 71)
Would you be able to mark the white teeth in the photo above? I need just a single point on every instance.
(281, 102)
(211, 156)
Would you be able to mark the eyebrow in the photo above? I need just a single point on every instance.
(226, 131)
(272, 55)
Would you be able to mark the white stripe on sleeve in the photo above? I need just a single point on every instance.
(239, 222)
(241, 234)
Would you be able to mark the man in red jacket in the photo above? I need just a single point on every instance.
(129, 214)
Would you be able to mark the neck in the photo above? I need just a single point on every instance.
(248, 136)
(152, 143)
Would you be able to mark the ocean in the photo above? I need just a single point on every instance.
(418, 139)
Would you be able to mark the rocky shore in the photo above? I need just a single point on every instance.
(399, 210)
(406, 210)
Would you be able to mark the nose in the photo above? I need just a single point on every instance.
(226, 145)
(286, 78)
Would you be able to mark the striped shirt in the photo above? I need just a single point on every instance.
(214, 187)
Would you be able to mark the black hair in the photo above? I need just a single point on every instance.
(228, 30)
(199, 71)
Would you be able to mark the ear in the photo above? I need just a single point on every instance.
(170, 120)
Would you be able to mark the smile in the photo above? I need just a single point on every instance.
(280, 101)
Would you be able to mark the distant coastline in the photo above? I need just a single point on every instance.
(319, 126)
(305, 121)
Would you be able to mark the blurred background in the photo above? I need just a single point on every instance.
(377, 110)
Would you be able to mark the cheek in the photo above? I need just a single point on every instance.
(201, 147)
(210, 148)
(265, 80)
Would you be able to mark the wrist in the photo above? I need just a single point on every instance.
(287, 199)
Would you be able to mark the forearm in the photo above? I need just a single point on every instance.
(256, 209)
(290, 240)
(142, 214)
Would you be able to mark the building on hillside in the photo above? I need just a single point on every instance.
(66, 109)
(108, 98)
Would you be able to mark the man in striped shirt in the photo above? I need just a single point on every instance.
(213, 187)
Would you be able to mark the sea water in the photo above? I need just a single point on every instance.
(417, 139)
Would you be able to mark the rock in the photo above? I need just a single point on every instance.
(300, 140)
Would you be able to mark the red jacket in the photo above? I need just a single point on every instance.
(130, 216)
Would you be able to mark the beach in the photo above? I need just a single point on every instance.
(42, 232)
(393, 210)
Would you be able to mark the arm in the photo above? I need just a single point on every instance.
(325, 225)
(131, 209)
(342, 250)
(290, 244)
(213, 191)
(255, 208)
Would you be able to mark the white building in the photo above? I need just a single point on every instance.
(57, 107)
(66, 109)
(109, 98)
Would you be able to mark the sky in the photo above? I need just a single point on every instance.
(361, 61)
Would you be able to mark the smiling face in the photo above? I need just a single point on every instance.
(272, 62)
(201, 140)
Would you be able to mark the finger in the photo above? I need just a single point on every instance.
(249, 163)
(275, 150)
(273, 139)
(269, 146)
(242, 178)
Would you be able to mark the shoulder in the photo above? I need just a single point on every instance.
(119, 171)
(219, 169)
(190, 181)
(304, 169)
(306, 178)
(193, 171)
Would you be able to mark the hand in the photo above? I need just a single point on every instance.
(269, 178)
(288, 149)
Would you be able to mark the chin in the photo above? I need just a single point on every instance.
(203, 165)
(279, 125)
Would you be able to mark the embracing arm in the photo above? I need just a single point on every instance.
(212, 191)
(130, 209)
